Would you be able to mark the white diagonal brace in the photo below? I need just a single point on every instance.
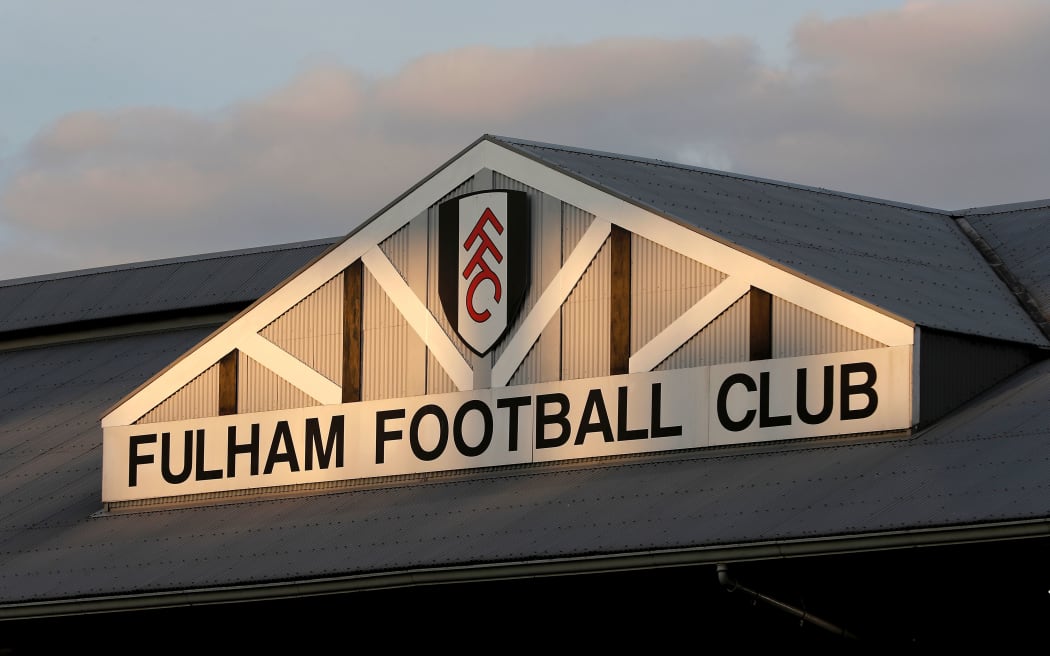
(291, 369)
(301, 285)
(548, 303)
(419, 318)
(703, 312)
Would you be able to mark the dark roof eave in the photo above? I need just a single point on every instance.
(594, 564)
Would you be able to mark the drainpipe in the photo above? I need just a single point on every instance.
(732, 585)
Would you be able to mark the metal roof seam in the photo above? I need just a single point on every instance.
(1017, 289)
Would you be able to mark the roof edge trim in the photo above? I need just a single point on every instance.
(147, 264)
(1005, 208)
(610, 563)
(511, 141)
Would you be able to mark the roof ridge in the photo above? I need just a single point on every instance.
(1005, 208)
(716, 172)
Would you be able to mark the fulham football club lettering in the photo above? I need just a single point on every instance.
(838, 393)
(483, 263)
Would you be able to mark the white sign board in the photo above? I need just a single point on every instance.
(840, 393)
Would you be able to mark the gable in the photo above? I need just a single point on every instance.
(620, 299)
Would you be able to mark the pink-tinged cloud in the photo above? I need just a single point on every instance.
(489, 84)
(931, 56)
(940, 104)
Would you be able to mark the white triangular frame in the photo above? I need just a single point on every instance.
(743, 271)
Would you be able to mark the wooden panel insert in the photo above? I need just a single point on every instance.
(228, 383)
(353, 288)
(761, 329)
(620, 302)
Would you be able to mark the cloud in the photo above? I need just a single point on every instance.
(302, 163)
(937, 103)
(486, 84)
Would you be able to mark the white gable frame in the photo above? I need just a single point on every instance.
(743, 270)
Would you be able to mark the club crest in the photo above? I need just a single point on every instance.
(483, 263)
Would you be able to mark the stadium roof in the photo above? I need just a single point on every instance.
(74, 344)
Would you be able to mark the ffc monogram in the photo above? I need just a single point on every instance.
(478, 270)
(483, 263)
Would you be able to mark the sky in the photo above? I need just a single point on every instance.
(135, 129)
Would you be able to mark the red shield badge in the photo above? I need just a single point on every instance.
(483, 263)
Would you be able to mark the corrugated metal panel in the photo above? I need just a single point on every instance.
(396, 247)
(664, 284)
(387, 342)
(537, 234)
(865, 247)
(197, 398)
(528, 371)
(532, 369)
(234, 277)
(585, 321)
(433, 298)
(313, 330)
(797, 331)
(955, 368)
(539, 237)
(541, 364)
(259, 389)
(723, 340)
(574, 223)
(438, 382)
(501, 181)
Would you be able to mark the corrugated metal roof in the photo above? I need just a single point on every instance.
(986, 464)
(1020, 235)
(215, 279)
(911, 261)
